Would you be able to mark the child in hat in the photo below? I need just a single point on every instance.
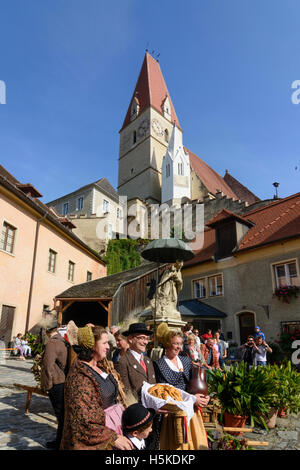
(137, 426)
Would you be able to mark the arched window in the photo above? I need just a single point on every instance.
(180, 168)
(166, 135)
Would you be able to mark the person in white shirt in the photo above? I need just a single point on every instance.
(260, 349)
(26, 347)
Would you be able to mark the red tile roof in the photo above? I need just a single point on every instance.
(243, 193)
(226, 214)
(150, 90)
(278, 221)
(209, 177)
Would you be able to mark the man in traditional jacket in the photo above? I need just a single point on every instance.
(134, 367)
(53, 376)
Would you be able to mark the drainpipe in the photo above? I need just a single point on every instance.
(33, 269)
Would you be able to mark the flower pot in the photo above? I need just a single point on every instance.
(234, 421)
(271, 423)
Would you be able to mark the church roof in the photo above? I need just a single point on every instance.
(209, 177)
(150, 90)
(243, 193)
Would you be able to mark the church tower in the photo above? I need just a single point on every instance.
(176, 172)
(145, 135)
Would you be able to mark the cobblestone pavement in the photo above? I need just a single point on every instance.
(19, 431)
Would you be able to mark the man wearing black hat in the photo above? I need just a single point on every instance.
(134, 367)
(53, 376)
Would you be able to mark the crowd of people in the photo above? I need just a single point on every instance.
(94, 378)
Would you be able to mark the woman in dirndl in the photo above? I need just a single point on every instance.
(93, 397)
(176, 370)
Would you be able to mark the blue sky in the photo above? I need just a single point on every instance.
(70, 68)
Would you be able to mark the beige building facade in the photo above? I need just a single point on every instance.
(241, 281)
(39, 257)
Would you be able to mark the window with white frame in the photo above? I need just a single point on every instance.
(105, 206)
(286, 274)
(8, 236)
(199, 288)
(80, 203)
(71, 271)
(52, 261)
(215, 285)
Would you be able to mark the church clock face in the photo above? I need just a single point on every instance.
(157, 127)
(143, 128)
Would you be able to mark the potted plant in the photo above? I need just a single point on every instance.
(286, 393)
(243, 394)
(285, 293)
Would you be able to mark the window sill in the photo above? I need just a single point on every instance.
(8, 253)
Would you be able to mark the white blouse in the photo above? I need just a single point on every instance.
(172, 366)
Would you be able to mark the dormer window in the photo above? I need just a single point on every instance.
(135, 107)
(167, 108)
(230, 229)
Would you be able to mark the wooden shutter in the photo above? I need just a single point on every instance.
(6, 323)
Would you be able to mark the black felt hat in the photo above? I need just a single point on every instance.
(136, 416)
(136, 328)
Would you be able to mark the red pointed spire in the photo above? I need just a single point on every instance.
(150, 90)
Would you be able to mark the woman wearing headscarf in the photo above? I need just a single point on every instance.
(93, 397)
(176, 371)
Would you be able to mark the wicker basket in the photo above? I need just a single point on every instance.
(171, 408)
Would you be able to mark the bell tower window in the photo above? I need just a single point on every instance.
(166, 135)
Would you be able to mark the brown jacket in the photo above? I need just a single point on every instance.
(205, 352)
(55, 351)
(84, 419)
(132, 373)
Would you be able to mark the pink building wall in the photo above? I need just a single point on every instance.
(16, 268)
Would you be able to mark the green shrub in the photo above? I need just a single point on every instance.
(123, 254)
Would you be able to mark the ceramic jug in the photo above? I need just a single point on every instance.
(197, 383)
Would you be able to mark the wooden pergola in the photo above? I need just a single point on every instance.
(62, 304)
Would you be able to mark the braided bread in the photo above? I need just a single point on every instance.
(165, 391)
